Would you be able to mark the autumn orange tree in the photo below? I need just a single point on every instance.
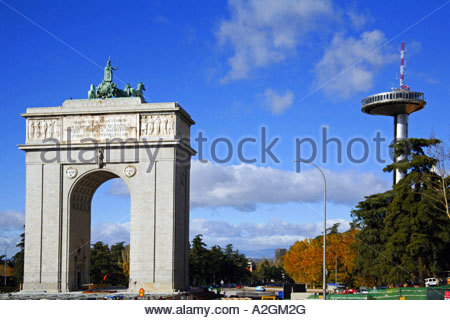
(303, 261)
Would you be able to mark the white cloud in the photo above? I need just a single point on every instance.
(161, 19)
(432, 80)
(11, 220)
(111, 232)
(254, 237)
(261, 32)
(10, 241)
(348, 65)
(119, 188)
(358, 20)
(278, 103)
(244, 186)
(214, 228)
(11, 226)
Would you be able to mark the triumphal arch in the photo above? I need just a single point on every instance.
(70, 150)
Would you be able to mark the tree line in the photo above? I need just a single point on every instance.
(212, 266)
(111, 264)
(15, 262)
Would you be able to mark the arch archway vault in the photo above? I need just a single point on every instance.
(70, 151)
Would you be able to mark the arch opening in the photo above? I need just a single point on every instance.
(93, 260)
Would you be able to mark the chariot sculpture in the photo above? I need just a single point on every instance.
(108, 89)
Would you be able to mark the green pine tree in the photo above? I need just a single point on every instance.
(18, 259)
(101, 263)
(198, 262)
(405, 233)
(369, 217)
(417, 235)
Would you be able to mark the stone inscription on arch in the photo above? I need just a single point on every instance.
(100, 127)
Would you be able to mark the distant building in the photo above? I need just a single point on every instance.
(279, 253)
(251, 265)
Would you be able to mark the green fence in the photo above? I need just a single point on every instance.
(437, 293)
(347, 297)
(432, 293)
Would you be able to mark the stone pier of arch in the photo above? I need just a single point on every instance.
(70, 150)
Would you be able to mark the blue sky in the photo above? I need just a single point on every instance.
(291, 66)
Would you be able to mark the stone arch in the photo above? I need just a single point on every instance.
(62, 175)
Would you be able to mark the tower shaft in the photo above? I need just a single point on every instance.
(400, 133)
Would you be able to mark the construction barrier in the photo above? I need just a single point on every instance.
(268, 297)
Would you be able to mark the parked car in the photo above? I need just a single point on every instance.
(340, 290)
(260, 288)
(238, 286)
(350, 291)
(363, 290)
(431, 282)
(213, 287)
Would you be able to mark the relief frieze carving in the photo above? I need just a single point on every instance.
(40, 129)
(157, 125)
(104, 128)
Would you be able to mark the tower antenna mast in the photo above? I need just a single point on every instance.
(402, 67)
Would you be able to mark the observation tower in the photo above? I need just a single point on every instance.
(398, 103)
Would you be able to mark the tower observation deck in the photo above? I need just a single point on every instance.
(398, 103)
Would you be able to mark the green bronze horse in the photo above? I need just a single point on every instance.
(139, 91)
(106, 89)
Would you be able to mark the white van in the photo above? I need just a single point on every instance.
(430, 282)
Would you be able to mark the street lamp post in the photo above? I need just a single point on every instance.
(324, 276)
(5, 262)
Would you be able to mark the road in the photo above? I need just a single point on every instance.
(250, 292)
